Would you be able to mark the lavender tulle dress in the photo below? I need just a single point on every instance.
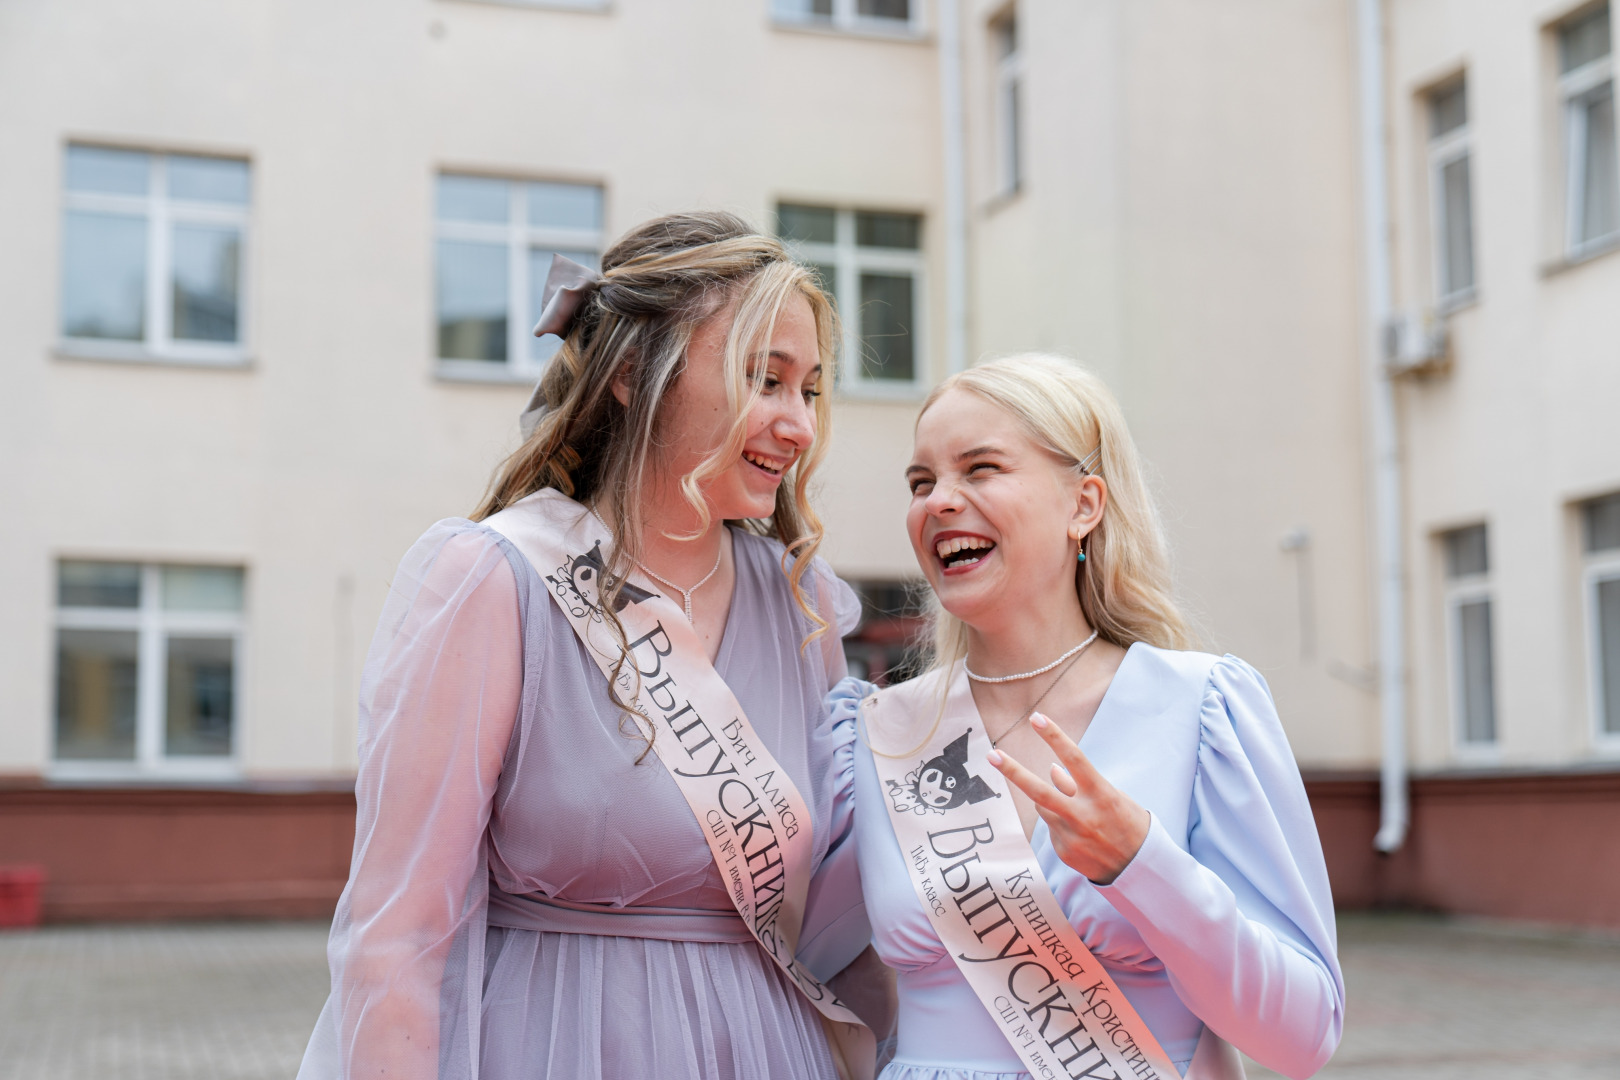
(525, 900)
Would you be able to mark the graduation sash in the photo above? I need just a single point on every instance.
(979, 883)
(757, 825)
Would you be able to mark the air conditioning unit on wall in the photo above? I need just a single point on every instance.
(1416, 344)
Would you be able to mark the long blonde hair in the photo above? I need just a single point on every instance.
(663, 280)
(1124, 583)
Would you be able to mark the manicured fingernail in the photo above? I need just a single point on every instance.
(994, 758)
(1038, 722)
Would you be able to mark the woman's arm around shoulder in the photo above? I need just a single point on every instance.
(439, 699)
(1243, 917)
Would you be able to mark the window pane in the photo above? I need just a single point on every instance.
(1608, 643)
(827, 278)
(207, 262)
(565, 206)
(1448, 109)
(472, 301)
(802, 9)
(98, 584)
(883, 9)
(103, 276)
(875, 229)
(886, 326)
(95, 695)
(1466, 553)
(110, 172)
(1457, 270)
(199, 702)
(202, 588)
(807, 224)
(1478, 691)
(542, 349)
(215, 180)
(1603, 523)
(1584, 40)
(472, 198)
(1600, 187)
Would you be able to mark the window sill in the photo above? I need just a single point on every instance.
(897, 393)
(127, 772)
(483, 372)
(871, 29)
(1594, 250)
(1002, 199)
(125, 353)
(1451, 305)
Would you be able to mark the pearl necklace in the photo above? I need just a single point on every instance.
(1021, 675)
(686, 594)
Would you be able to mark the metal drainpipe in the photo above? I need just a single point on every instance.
(949, 16)
(1383, 432)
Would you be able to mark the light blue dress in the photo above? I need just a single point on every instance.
(1224, 916)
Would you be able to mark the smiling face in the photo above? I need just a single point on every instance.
(994, 516)
(781, 423)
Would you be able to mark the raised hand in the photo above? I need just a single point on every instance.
(1096, 828)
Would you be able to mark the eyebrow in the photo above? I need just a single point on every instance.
(980, 451)
(778, 354)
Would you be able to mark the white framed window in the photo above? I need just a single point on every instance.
(153, 255)
(495, 241)
(1601, 578)
(1451, 188)
(1592, 170)
(871, 16)
(872, 262)
(147, 670)
(1469, 630)
(1009, 104)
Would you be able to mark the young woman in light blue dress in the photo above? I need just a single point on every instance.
(1176, 836)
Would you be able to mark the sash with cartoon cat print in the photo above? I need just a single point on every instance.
(756, 823)
(977, 879)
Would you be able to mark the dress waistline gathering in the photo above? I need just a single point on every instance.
(536, 911)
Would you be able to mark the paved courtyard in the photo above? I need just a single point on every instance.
(1429, 999)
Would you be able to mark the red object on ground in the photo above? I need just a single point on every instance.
(20, 889)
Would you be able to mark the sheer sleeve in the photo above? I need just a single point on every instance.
(1243, 918)
(439, 700)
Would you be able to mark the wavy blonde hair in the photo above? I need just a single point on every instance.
(1124, 583)
(663, 280)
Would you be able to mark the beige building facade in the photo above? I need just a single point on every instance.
(268, 270)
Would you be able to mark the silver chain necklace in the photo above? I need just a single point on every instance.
(686, 594)
(1023, 674)
(1073, 656)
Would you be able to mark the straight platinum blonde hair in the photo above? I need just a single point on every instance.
(663, 280)
(1124, 583)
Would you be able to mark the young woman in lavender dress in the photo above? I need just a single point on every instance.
(1176, 836)
(530, 896)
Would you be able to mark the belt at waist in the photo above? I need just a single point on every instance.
(536, 911)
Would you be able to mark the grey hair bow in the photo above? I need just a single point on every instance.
(567, 286)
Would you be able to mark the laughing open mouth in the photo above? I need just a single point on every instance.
(962, 551)
(770, 465)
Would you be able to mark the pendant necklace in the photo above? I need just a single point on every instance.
(686, 594)
(1072, 656)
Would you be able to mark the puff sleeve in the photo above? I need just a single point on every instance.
(1242, 918)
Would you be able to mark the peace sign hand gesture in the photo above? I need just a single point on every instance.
(1096, 828)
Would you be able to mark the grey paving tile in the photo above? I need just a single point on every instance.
(1429, 999)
